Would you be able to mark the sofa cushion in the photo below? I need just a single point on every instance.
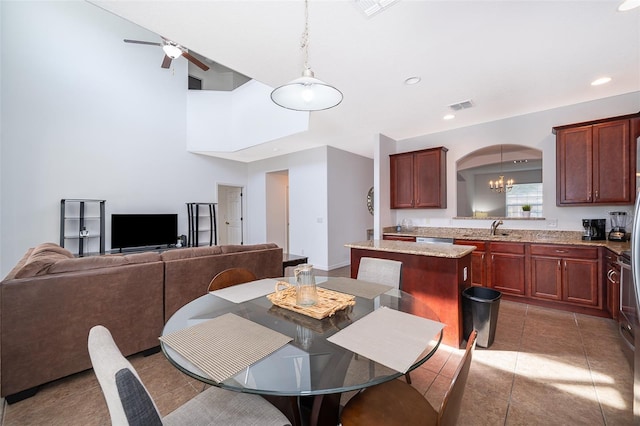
(86, 263)
(188, 253)
(146, 257)
(40, 260)
(238, 248)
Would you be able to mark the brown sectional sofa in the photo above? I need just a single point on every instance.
(50, 300)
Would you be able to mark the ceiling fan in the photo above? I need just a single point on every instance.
(172, 51)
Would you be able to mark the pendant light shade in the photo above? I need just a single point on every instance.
(306, 93)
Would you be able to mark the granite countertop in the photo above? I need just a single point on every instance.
(510, 235)
(434, 250)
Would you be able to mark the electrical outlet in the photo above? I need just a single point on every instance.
(464, 274)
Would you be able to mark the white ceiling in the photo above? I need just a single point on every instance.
(509, 57)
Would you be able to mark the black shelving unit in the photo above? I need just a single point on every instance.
(81, 220)
(195, 217)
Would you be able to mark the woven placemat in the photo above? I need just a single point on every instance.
(359, 288)
(329, 301)
(224, 346)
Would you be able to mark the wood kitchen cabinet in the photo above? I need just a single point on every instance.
(478, 261)
(611, 280)
(565, 273)
(507, 267)
(419, 179)
(596, 161)
(399, 238)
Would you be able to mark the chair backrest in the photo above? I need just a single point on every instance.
(230, 277)
(108, 361)
(450, 407)
(381, 271)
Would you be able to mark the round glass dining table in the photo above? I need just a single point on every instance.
(309, 365)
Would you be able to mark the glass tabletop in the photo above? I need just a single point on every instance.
(309, 364)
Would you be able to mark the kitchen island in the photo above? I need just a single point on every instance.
(434, 273)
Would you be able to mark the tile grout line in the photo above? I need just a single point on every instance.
(593, 382)
(515, 366)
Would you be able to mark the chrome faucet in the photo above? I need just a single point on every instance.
(494, 226)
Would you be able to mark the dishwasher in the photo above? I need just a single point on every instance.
(434, 240)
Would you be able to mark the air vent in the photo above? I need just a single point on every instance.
(461, 105)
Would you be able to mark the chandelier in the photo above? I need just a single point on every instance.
(306, 93)
(501, 186)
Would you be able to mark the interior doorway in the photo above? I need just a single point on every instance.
(277, 208)
(230, 215)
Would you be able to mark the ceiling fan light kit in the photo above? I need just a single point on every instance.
(172, 50)
(306, 93)
(628, 5)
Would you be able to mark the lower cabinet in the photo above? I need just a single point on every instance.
(611, 280)
(565, 273)
(399, 238)
(507, 267)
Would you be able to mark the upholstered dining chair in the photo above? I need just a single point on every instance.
(230, 277)
(129, 402)
(381, 271)
(398, 403)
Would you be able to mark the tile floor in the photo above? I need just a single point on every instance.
(545, 367)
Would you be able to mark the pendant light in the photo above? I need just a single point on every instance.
(306, 93)
(500, 186)
(628, 5)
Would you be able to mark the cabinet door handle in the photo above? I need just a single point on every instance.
(589, 195)
(559, 264)
(562, 251)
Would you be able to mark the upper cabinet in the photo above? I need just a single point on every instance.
(596, 161)
(419, 179)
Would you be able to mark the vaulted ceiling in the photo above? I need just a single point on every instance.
(509, 57)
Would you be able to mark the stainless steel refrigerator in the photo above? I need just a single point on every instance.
(635, 273)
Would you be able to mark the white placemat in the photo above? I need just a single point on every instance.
(226, 345)
(242, 292)
(392, 338)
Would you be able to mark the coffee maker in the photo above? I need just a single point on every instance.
(594, 229)
(618, 230)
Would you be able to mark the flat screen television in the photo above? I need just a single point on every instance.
(143, 230)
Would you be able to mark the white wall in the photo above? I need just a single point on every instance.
(348, 215)
(319, 224)
(85, 115)
(534, 130)
(277, 194)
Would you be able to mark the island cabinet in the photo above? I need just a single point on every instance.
(419, 179)
(566, 274)
(507, 267)
(596, 161)
(478, 261)
(434, 279)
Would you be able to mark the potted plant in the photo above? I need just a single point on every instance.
(526, 210)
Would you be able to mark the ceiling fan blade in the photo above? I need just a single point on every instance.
(142, 42)
(195, 61)
(166, 62)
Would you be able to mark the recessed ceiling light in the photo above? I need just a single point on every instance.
(600, 81)
(628, 5)
(449, 117)
(412, 80)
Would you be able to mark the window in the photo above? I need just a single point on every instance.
(525, 193)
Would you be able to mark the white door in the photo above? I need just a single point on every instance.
(230, 204)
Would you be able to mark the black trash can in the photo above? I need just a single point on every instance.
(480, 312)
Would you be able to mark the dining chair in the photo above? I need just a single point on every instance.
(231, 276)
(398, 403)
(381, 271)
(129, 401)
